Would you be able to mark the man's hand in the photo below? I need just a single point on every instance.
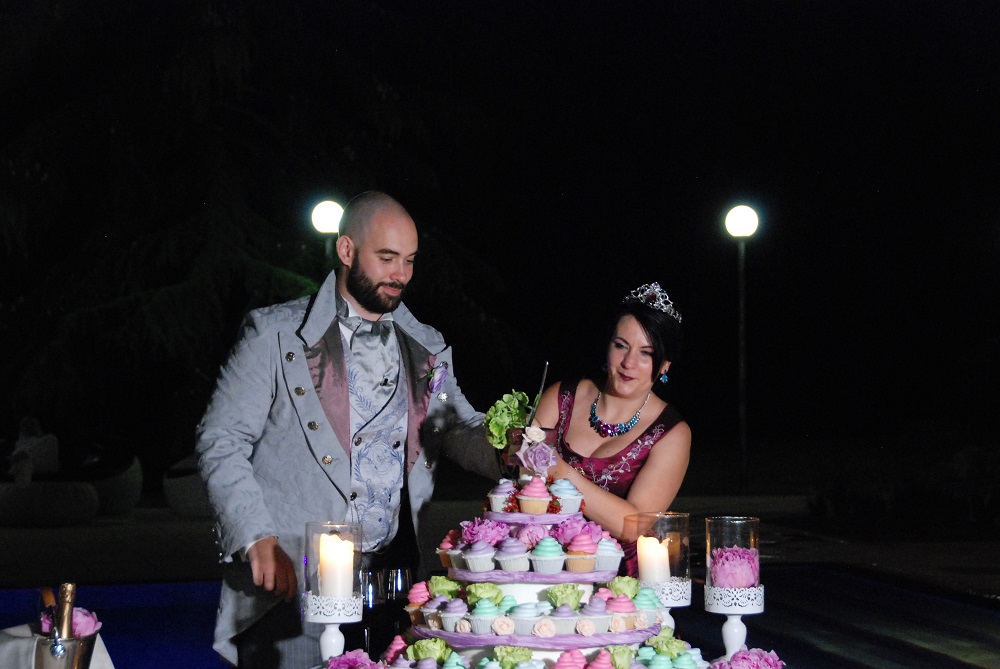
(272, 568)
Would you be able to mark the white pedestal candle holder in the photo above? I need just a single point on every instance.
(732, 575)
(664, 554)
(332, 594)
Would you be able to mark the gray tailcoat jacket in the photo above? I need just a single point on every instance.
(271, 459)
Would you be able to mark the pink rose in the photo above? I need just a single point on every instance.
(537, 457)
(531, 534)
(483, 529)
(503, 625)
(565, 531)
(544, 628)
(585, 627)
(354, 659)
(464, 625)
(735, 567)
(754, 658)
(85, 623)
(640, 621)
(434, 623)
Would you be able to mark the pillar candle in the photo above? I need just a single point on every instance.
(654, 564)
(336, 566)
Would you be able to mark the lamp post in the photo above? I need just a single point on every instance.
(326, 219)
(741, 223)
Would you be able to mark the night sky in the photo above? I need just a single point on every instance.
(554, 156)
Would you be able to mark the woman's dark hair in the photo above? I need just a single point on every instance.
(663, 330)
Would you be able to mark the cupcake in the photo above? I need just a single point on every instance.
(479, 556)
(452, 612)
(483, 615)
(432, 611)
(684, 661)
(456, 555)
(567, 495)
(622, 610)
(500, 495)
(564, 618)
(647, 603)
(596, 611)
(397, 647)
(534, 497)
(453, 538)
(415, 600)
(507, 604)
(512, 555)
(401, 662)
(454, 661)
(525, 616)
(581, 554)
(548, 556)
(609, 554)
(602, 661)
(570, 659)
(660, 662)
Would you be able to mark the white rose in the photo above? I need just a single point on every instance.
(534, 434)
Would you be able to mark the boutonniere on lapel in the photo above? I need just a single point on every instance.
(435, 378)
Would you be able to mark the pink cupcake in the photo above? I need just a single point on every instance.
(581, 554)
(534, 497)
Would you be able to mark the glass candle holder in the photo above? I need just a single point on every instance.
(732, 559)
(332, 589)
(664, 554)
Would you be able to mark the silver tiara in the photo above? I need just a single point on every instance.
(654, 297)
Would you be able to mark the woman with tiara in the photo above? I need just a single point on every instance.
(630, 452)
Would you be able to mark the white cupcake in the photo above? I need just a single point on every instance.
(479, 556)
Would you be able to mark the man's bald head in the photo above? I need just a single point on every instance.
(360, 211)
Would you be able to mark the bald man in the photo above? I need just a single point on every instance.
(332, 407)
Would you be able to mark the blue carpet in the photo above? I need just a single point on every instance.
(150, 626)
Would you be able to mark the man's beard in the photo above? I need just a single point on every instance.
(365, 292)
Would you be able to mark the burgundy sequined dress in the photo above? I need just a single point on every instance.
(617, 472)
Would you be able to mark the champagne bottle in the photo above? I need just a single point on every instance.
(67, 598)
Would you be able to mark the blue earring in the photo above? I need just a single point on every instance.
(663, 377)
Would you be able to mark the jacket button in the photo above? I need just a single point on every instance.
(327, 459)
(299, 390)
(289, 356)
(436, 429)
(313, 425)
(354, 496)
(396, 445)
(357, 441)
(428, 464)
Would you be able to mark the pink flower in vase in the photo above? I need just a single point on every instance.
(735, 567)
(753, 658)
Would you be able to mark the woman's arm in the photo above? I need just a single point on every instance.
(548, 408)
(654, 488)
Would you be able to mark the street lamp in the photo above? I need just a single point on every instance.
(741, 223)
(326, 219)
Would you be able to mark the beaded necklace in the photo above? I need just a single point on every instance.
(614, 429)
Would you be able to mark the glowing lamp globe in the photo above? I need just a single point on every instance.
(741, 221)
(326, 216)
